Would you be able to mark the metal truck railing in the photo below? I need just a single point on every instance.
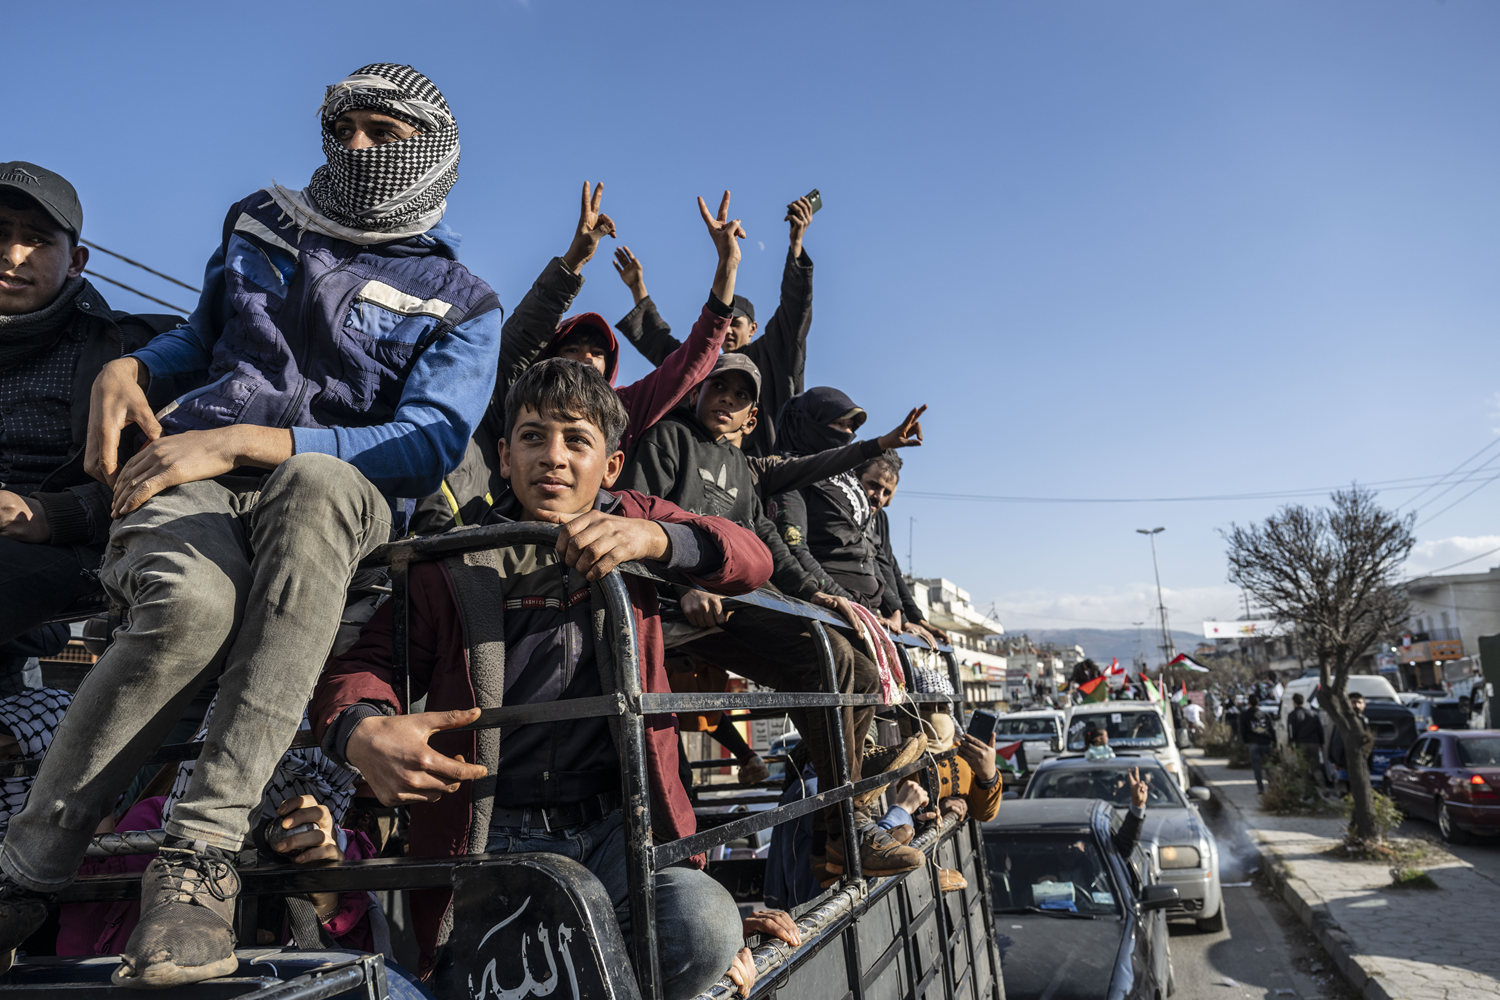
(834, 918)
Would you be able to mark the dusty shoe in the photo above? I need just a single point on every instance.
(825, 871)
(186, 933)
(21, 913)
(754, 770)
(879, 759)
(951, 881)
(878, 855)
(902, 834)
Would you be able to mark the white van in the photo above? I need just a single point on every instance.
(1040, 732)
(1373, 686)
(1132, 725)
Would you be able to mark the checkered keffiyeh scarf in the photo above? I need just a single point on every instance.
(32, 718)
(299, 772)
(390, 186)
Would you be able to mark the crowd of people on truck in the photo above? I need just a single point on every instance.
(344, 381)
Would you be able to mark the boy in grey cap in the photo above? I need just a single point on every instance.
(56, 333)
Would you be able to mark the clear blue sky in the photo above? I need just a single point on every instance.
(1122, 249)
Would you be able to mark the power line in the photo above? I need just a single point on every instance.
(1460, 500)
(143, 267)
(1460, 465)
(1467, 477)
(137, 291)
(1409, 483)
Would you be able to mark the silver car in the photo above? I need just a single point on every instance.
(1184, 846)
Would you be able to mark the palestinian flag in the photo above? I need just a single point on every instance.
(1186, 662)
(1182, 698)
(1004, 756)
(1152, 694)
(1094, 690)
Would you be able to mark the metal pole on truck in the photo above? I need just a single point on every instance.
(1161, 607)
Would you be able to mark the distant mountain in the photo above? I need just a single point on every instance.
(1101, 644)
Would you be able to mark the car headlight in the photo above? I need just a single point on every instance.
(1181, 857)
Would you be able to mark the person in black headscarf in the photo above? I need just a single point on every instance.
(827, 526)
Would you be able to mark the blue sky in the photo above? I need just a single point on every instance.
(1123, 250)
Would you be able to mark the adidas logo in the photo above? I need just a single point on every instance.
(18, 175)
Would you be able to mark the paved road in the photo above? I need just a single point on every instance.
(1483, 853)
(1264, 952)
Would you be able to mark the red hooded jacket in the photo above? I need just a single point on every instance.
(439, 665)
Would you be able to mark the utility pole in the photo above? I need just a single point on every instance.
(1167, 649)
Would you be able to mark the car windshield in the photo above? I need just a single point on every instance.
(1126, 729)
(1449, 715)
(1479, 751)
(1026, 727)
(1107, 783)
(1052, 873)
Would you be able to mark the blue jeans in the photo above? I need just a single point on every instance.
(697, 920)
(1258, 754)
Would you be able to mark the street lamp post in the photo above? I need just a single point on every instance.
(1167, 648)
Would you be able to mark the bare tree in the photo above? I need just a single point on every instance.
(1332, 572)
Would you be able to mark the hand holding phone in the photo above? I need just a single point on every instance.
(799, 213)
(982, 724)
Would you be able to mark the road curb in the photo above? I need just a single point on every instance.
(1359, 969)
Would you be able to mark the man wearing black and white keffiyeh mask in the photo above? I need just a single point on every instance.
(339, 360)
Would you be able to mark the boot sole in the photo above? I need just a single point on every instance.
(167, 974)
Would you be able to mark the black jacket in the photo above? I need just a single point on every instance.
(1255, 728)
(827, 527)
(780, 473)
(77, 506)
(779, 350)
(897, 596)
(1304, 726)
(677, 460)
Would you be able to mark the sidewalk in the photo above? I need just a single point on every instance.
(1392, 944)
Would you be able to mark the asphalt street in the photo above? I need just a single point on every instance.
(1483, 853)
(1263, 951)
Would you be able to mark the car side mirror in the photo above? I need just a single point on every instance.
(1010, 795)
(1159, 897)
(1200, 793)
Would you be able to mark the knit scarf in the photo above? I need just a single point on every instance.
(32, 718)
(398, 184)
(25, 336)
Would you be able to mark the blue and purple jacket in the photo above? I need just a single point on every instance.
(381, 355)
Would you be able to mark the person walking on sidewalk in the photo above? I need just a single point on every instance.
(1255, 731)
(1305, 730)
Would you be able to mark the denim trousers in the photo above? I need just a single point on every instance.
(697, 921)
(1258, 754)
(243, 578)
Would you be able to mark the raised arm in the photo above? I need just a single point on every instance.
(643, 325)
(780, 473)
(654, 396)
(780, 352)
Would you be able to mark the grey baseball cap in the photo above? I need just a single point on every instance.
(47, 189)
(734, 362)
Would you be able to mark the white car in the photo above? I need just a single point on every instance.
(1040, 730)
(1132, 725)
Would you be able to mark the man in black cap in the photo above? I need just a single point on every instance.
(56, 333)
(780, 355)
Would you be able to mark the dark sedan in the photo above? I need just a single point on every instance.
(1074, 919)
(1452, 778)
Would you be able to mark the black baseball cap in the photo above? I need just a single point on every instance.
(742, 307)
(49, 190)
(736, 362)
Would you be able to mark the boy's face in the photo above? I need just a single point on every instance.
(880, 485)
(725, 401)
(740, 332)
(556, 463)
(586, 347)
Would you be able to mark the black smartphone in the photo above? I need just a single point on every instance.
(982, 724)
(815, 199)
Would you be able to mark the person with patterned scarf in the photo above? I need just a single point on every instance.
(344, 357)
(56, 333)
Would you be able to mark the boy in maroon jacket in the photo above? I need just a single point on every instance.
(551, 786)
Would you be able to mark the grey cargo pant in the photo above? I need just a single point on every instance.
(249, 581)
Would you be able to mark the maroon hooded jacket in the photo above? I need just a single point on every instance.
(439, 665)
(659, 392)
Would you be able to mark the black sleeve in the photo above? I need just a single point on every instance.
(791, 522)
(780, 351)
(780, 473)
(895, 583)
(788, 574)
(79, 515)
(1128, 835)
(648, 332)
(526, 333)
